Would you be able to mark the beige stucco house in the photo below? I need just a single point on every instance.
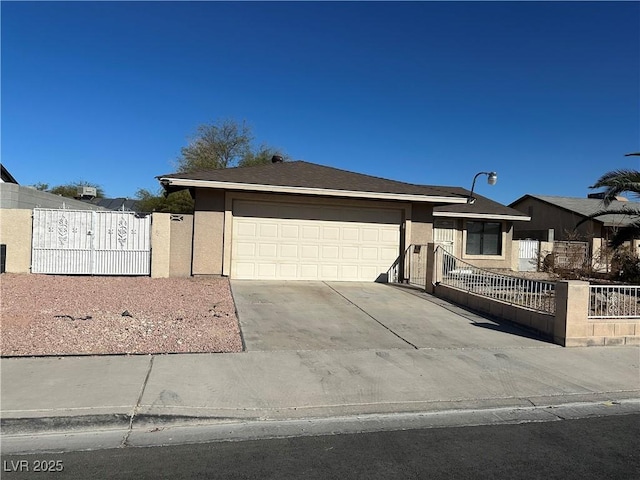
(561, 215)
(304, 221)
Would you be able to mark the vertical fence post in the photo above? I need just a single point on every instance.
(572, 308)
(407, 265)
(161, 244)
(434, 269)
(92, 242)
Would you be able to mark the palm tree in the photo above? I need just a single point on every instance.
(615, 183)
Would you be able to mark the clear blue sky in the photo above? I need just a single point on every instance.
(547, 94)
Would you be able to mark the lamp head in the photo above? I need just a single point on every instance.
(492, 178)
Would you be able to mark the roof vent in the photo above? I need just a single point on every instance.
(277, 159)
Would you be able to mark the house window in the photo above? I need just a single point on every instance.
(484, 238)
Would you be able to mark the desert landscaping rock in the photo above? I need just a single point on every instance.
(71, 315)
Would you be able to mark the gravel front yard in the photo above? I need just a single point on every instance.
(67, 315)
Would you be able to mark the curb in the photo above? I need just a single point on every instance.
(117, 431)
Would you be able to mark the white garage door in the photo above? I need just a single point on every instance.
(304, 242)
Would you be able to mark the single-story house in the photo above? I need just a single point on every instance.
(16, 196)
(303, 221)
(561, 215)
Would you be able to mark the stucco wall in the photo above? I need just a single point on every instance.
(15, 233)
(160, 245)
(181, 245)
(515, 255)
(208, 232)
(421, 224)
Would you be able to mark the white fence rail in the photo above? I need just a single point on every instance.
(617, 301)
(534, 294)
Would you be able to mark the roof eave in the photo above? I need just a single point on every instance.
(177, 183)
(6, 175)
(485, 216)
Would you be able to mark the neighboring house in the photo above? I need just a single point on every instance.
(303, 221)
(21, 197)
(120, 203)
(15, 196)
(562, 214)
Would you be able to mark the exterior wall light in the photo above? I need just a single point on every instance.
(492, 178)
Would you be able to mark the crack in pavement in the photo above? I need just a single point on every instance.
(125, 440)
(372, 317)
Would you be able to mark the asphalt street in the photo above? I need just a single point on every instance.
(589, 448)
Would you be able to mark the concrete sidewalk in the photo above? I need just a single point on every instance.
(58, 394)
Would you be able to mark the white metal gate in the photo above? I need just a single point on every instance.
(86, 242)
(528, 255)
(444, 235)
(415, 265)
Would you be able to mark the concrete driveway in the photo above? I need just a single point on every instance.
(353, 315)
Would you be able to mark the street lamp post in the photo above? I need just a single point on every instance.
(492, 178)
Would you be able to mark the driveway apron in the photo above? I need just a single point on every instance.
(296, 315)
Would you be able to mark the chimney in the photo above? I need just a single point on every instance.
(277, 159)
(600, 196)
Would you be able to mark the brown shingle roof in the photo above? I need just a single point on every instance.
(311, 175)
(482, 205)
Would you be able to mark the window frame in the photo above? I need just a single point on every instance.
(481, 256)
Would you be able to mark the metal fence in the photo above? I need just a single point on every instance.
(617, 301)
(411, 266)
(534, 294)
(393, 274)
(415, 265)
